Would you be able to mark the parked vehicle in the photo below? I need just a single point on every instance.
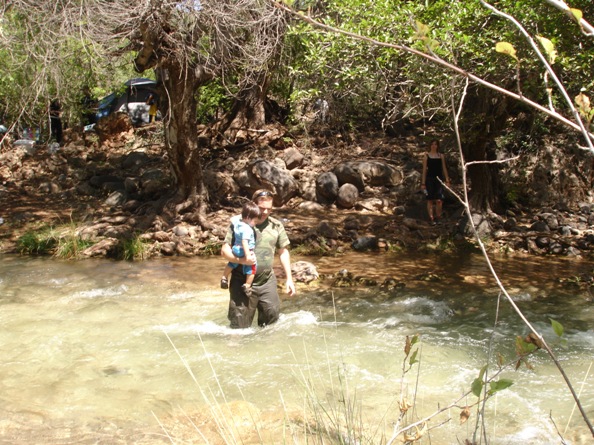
(132, 101)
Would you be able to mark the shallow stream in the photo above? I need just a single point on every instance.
(117, 352)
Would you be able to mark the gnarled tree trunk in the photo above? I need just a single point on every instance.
(178, 105)
(248, 112)
(485, 117)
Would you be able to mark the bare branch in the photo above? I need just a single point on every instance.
(586, 27)
(438, 61)
(466, 203)
(549, 70)
(497, 161)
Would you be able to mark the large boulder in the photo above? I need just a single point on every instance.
(326, 187)
(293, 158)
(367, 173)
(304, 271)
(220, 184)
(348, 173)
(135, 159)
(307, 183)
(347, 196)
(263, 174)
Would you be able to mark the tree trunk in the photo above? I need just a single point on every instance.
(248, 112)
(485, 118)
(178, 107)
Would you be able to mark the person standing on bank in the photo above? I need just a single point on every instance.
(55, 113)
(152, 103)
(435, 172)
(271, 238)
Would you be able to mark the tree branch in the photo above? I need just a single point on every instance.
(439, 61)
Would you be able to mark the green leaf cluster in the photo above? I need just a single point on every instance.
(368, 81)
(478, 384)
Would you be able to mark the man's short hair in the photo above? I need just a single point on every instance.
(262, 193)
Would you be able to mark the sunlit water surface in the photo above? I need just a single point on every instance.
(117, 352)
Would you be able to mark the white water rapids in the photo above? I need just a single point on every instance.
(118, 352)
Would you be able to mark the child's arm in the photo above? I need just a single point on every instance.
(246, 248)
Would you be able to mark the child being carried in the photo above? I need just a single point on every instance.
(244, 244)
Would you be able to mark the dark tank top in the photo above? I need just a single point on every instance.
(434, 167)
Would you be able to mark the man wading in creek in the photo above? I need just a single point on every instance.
(270, 238)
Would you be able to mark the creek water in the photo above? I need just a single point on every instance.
(140, 352)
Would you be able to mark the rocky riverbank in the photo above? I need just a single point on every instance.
(104, 191)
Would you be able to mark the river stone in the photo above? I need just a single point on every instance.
(307, 183)
(352, 223)
(365, 243)
(347, 196)
(181, 230)
(101, 249)
(371, 204)
(310, 206)
(130, 185)
(135, 159)
(264, 174)
(399, 210)
(115, 199)
(293, 158)
(565, 230)
(551, 220)
(220, 183)
(123, 231)
(326, 187)
(343, 278)
(100, 181)
(368, 172)
(392, 283)
(161, 236)
(348, 173)
(304, 271)
(531, 246)
(49, 188)
(168, 248)
(411, 223)
(481, 224)
(327, 230)
(572, 251)
(542, 241)
(510, 224)
(539, 226)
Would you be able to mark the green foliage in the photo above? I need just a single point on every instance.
(61, 242)
(37, 243)
(212, 247)
(28, 82)
(557, 327)
(133, 249)
(314, 247)
(506, 48)
(410, 354)
(71, 247)
(213, 101)
(372, 84)
(523, 347)
(499, 385)
(479, 383)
